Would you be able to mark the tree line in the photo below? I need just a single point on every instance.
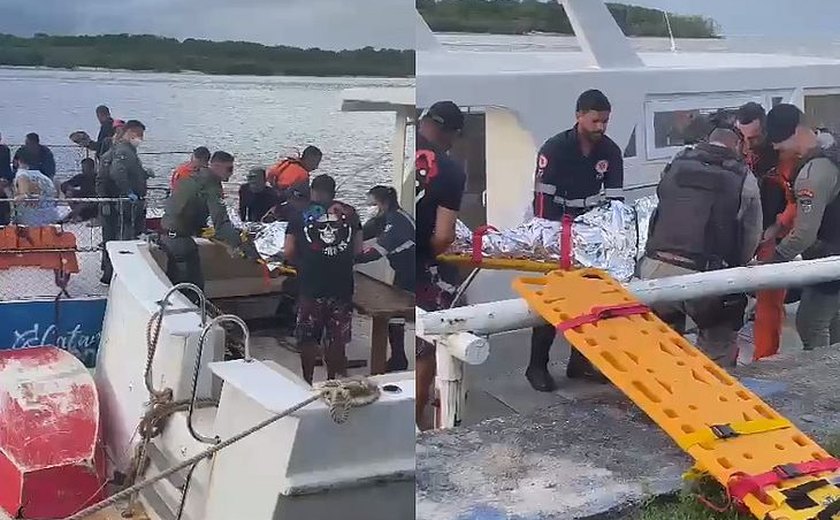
(527, 16)
(159, 54)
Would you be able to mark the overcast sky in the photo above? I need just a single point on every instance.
(329, 24)
(336, 24)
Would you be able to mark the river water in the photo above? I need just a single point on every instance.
(258, 119)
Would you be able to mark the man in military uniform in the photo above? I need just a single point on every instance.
(121, 175)
(816, 226)
(196, 198)
(577, 170)
(708, 217)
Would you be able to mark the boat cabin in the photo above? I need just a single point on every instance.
(525, 97)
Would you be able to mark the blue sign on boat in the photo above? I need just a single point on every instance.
(33, 323)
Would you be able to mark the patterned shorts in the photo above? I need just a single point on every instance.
(433, 294)
(330, 317)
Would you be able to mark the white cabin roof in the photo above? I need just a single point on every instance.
(489, 63)
(383, 99)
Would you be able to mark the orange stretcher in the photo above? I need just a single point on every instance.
(44, 247)
(766, 464)
(500, 264)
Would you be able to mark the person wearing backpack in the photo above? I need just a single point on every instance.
(816, 226)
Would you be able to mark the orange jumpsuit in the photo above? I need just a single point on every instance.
(770, 304)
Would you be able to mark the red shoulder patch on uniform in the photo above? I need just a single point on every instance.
(602, 166)
(542, 161)
(805, 194)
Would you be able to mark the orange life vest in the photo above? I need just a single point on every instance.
(783, 177)
(181, 172)
(44, 247)
(287, 173)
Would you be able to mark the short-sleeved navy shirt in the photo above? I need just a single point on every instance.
(444, 189)
(564, 172)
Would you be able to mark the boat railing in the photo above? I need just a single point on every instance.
(246, 334)
(24, 279)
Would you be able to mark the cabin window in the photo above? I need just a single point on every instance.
(823, 111)
(675, 123)
(685, 127)
(630, 149)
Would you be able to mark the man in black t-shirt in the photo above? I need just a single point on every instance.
(255, 197)
(439, 189)
(323, 245)
(81, 186)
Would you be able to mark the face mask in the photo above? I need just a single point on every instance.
(136, 141)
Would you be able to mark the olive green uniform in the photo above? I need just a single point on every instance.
(120, 175)
(818, 317)
(196, 198)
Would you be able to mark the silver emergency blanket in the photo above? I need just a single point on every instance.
(644, 211)
(608, 237)
(269, 238)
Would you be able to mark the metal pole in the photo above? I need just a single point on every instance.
(503, 316)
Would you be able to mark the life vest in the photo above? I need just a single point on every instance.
(22, 246)
(181, 172)
(425, 170)
(778, 181)
(287, 173)
(699, 199)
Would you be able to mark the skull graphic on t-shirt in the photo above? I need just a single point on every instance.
(329, 233)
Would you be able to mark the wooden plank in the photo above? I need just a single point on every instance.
(374, 298)
(379, 346)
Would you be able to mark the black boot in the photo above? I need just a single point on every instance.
(580, 368)
(537, 371)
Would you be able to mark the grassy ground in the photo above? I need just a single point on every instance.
(686, 507)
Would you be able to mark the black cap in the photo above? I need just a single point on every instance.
(447, 115)
(782, 121)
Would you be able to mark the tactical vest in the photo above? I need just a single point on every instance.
(697, 216)
(104, 184)
(829, 231)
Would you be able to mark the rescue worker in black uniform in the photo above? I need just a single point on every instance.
(577, 170)
(708, 217)
(121, 175)
(196, 198)
(394, 241)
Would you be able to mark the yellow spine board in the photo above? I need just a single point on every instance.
(500, 264)
(680, 388)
